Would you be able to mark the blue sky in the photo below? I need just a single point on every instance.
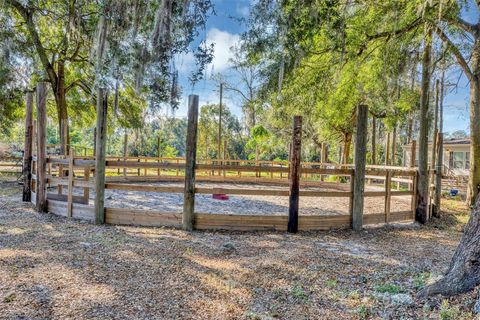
(225, 31)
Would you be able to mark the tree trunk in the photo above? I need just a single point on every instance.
(463, 274)
(421, 214)
(251, 122)
(347, 141)
(374, 140)
(387, 150)
(61, 104)
(474, 180)
(410, 129)
(394, 146)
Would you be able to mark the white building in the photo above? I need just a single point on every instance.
(456, 156)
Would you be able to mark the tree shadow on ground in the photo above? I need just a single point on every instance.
(90, 271)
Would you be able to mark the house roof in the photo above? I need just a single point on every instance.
(456, 141)
(465, 141)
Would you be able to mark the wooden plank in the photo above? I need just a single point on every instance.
(138, 187)
(151, 218)
(374, 194)
(27, 154)
(235, 191)
(188, 217)
(100, 143)
(327, 194)
(241, 168)
(310, 223)
(376, 218)
(379, 218)
(41, 185)
(400, 193)
(79, 211)
(137, 164)
(76, 183)
(401, 216)
(64, 198)
(360, 163)
(296, 151)
(240, 222)
(83, 163)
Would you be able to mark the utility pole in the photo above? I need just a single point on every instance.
(219, 151)
(220, 124)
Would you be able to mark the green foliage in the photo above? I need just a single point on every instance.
(389, 288)
(448, 312)
(325, 61)
(362, 311)
(11, 99)
(58, 41)
(299, 294)
(420, 280)
(332, 283)
(207, 146)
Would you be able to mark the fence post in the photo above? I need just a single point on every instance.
(388, 191)
(360, 161)
(438, 176)
(100, 143)
(27, 151)
(70, 182)
(296, 149)
(190, 161)
(224, 157)
(86, 190)
(414, 193)
(387, 151)
(94, 141)
(257, 173)
(41, 147)
(158, 155)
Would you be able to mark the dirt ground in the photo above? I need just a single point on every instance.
(56, 268)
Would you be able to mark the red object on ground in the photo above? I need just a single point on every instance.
(220, 196)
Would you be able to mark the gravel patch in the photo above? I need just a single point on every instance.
(247, 204)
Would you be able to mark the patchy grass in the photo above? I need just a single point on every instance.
(57, 268)
(389, 288)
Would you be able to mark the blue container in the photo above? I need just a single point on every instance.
(453, 192)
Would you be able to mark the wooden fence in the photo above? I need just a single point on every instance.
(123, 173)
(69, 174)
(10, 165)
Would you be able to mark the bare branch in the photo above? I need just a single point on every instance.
(389, 34)
(456, 52)
(462, 24)
(42, 54)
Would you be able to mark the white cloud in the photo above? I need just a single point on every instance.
(243, 11)
(185, 62)
(223, 42)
